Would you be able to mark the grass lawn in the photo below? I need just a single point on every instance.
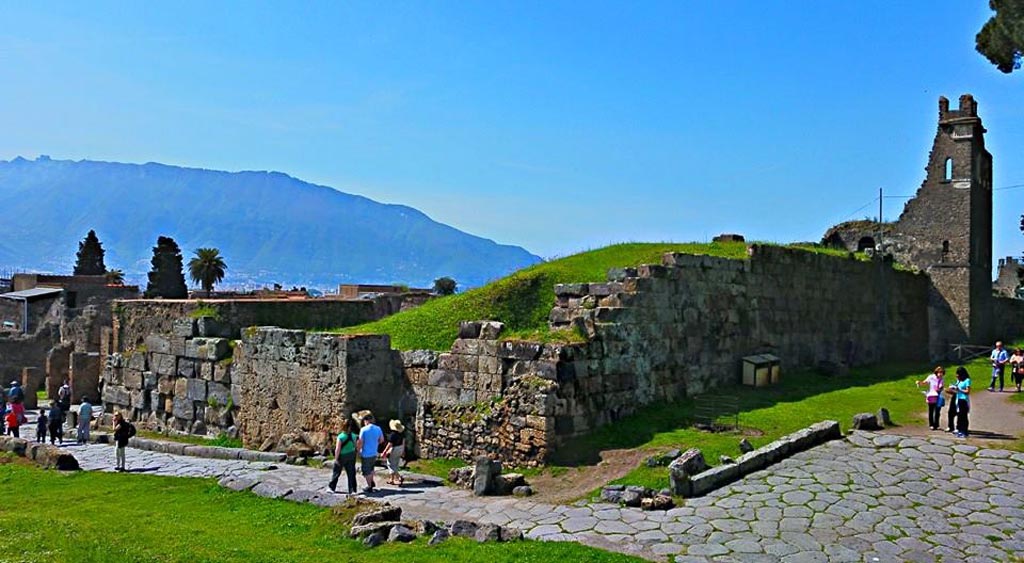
(91, 516)
(524, 299)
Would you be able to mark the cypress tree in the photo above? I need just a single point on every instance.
(89, 261)
(166, 278)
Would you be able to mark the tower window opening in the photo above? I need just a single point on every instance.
(945, 250)
(949, 169)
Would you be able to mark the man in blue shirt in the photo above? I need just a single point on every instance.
(368, 444)
(999, 358)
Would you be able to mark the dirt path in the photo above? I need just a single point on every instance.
(994, 418)
(578, 481)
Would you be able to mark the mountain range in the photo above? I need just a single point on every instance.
(269, 227)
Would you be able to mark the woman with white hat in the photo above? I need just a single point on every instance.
(394, 450)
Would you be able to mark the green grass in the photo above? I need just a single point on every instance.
(524, 299)
(766, 413)
(221, 440)
(92, 516)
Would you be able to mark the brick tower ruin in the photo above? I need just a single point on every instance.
(946, 229)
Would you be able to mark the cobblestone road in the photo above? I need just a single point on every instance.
(870, 497)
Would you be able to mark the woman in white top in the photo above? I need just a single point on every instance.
(1017, 367)
(933, 396)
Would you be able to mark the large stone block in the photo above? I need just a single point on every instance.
(158, 344)
(184, 327)
(218, 393)
(196, 390)
(183, 407)
(165, 364)
(213, 349)
(186, 368)
(116, 395)
(133, 379)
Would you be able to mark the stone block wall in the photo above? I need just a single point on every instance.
(298, 387)
(136, 319)
(488, 397)
(183, 381)
(654, 333)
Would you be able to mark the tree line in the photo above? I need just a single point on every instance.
(166, 276)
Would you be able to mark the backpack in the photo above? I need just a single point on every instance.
(131, 429)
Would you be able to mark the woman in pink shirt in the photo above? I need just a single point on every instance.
(933, 396)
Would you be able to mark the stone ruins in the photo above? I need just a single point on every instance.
(658, 332)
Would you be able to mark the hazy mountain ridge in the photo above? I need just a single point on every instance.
(269, 226)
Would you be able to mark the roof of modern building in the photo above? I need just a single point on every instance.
(31, 294)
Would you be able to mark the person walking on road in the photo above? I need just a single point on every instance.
(999, 359)
(370, 439)
(56, 416)
(84, 420)
(933, 396)
(394, 452)
(1017, 367)
(345, 457)
(962, 390)
(123, 431)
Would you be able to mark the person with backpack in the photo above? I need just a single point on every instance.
(345, 456)
(56, 417)
(13, 422)
(123, 431)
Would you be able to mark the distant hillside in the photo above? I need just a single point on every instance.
(269, 226)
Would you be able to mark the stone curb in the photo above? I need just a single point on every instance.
(193, 450)
(801, 440)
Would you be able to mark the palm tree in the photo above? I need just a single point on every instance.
(115, 277)
(207, 268)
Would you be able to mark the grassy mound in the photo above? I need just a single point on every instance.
(524, 299)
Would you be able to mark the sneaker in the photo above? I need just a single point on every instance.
(960, 435)
(991, 388)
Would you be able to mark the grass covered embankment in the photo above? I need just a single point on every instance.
(524, 299)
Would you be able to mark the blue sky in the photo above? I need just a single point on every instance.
(555, 126)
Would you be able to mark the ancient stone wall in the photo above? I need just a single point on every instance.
(296, 387)
(656, 333)
(19, 351)
(136, 319)
(1008, 279)
(183, 381)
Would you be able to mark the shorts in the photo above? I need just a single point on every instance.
(367, 465)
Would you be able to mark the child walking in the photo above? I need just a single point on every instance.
(41, 425)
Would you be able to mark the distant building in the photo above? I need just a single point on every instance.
(369, 291)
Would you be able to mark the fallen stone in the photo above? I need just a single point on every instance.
(387, 513)
(402, 534)
(883, 417)
(429, 527)
(490, 330)
(523, 491)
(612, 494)
(658, 502)
(865, 421)
(382, 528)
(488, 532)
(464, 528)
(746, 446)
(510, 534)
(505, 484)
(374, 539)
(461, 477)
(632, 498)
(724, 459)
(439, 536)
